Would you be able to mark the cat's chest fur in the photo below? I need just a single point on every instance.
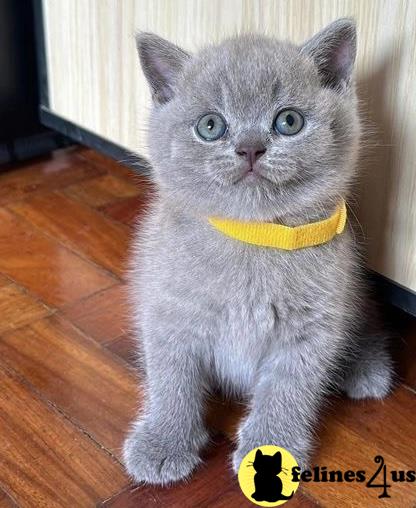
(245, 332)
(262, 298)
(260, 314)
(236, 305)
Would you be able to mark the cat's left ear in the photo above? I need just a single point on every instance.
(333, 50)
(162, 63)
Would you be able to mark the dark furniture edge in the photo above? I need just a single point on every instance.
(393, 292)
(88, 138)
(41, 53)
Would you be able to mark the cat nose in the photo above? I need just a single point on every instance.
(251, 152)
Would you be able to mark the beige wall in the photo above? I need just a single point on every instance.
(95, 81)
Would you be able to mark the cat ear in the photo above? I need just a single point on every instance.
(161, 62)
(259, 454)
(333, 50)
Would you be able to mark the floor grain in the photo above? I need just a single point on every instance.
(82, 379)
(68, 388)
(61, 168)
(45, 460)
(6, 501)
(43, 266)
(81, 229)
(102, 316)
(18, 308)
(103, 190)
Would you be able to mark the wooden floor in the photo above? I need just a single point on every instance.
(67, 387)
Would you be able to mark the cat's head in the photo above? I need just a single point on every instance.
(268, 464)
(253, 128)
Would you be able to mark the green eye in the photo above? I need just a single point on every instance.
(211, 127)
(288, 122)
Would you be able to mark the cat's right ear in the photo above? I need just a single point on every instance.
(162, 63)
(333, 50)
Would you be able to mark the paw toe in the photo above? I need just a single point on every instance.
(156, 464)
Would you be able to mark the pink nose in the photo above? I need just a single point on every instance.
(251, 152)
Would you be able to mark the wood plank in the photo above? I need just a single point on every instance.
(341, 448)
(234, 498)
(61, 168)
(45, 267)
(223, 416)
(118, 168)
(45, 460)
(6, 501)
(78, 227)
(103, 316)
(103, 190)
(4, 281)
(17, 308)
(387, 425)
(81, 378)
(124, 347)
(128, 211)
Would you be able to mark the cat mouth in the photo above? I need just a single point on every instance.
(251, 175)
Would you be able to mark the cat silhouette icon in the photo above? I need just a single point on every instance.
(266, 480)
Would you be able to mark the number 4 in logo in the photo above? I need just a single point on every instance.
(371, 482)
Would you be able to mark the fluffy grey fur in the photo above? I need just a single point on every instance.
(275, 327)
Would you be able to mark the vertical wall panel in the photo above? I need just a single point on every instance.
(95, 82)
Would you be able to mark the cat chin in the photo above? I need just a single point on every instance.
(261, 199)
(291, 209)
(251, 207)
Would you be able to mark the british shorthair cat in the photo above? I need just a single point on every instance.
(248, 135)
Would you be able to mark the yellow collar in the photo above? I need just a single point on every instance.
(278, 236)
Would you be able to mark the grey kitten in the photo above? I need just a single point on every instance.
(279, 328)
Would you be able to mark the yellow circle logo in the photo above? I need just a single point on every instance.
(265, 476)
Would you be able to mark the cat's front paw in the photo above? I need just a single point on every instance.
(149, 458)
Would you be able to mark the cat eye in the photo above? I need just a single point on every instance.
(211, 127)
(288, 122)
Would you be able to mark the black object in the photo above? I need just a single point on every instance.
(392, 292)
(21, 134)
(266, 480)
(88, 138)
